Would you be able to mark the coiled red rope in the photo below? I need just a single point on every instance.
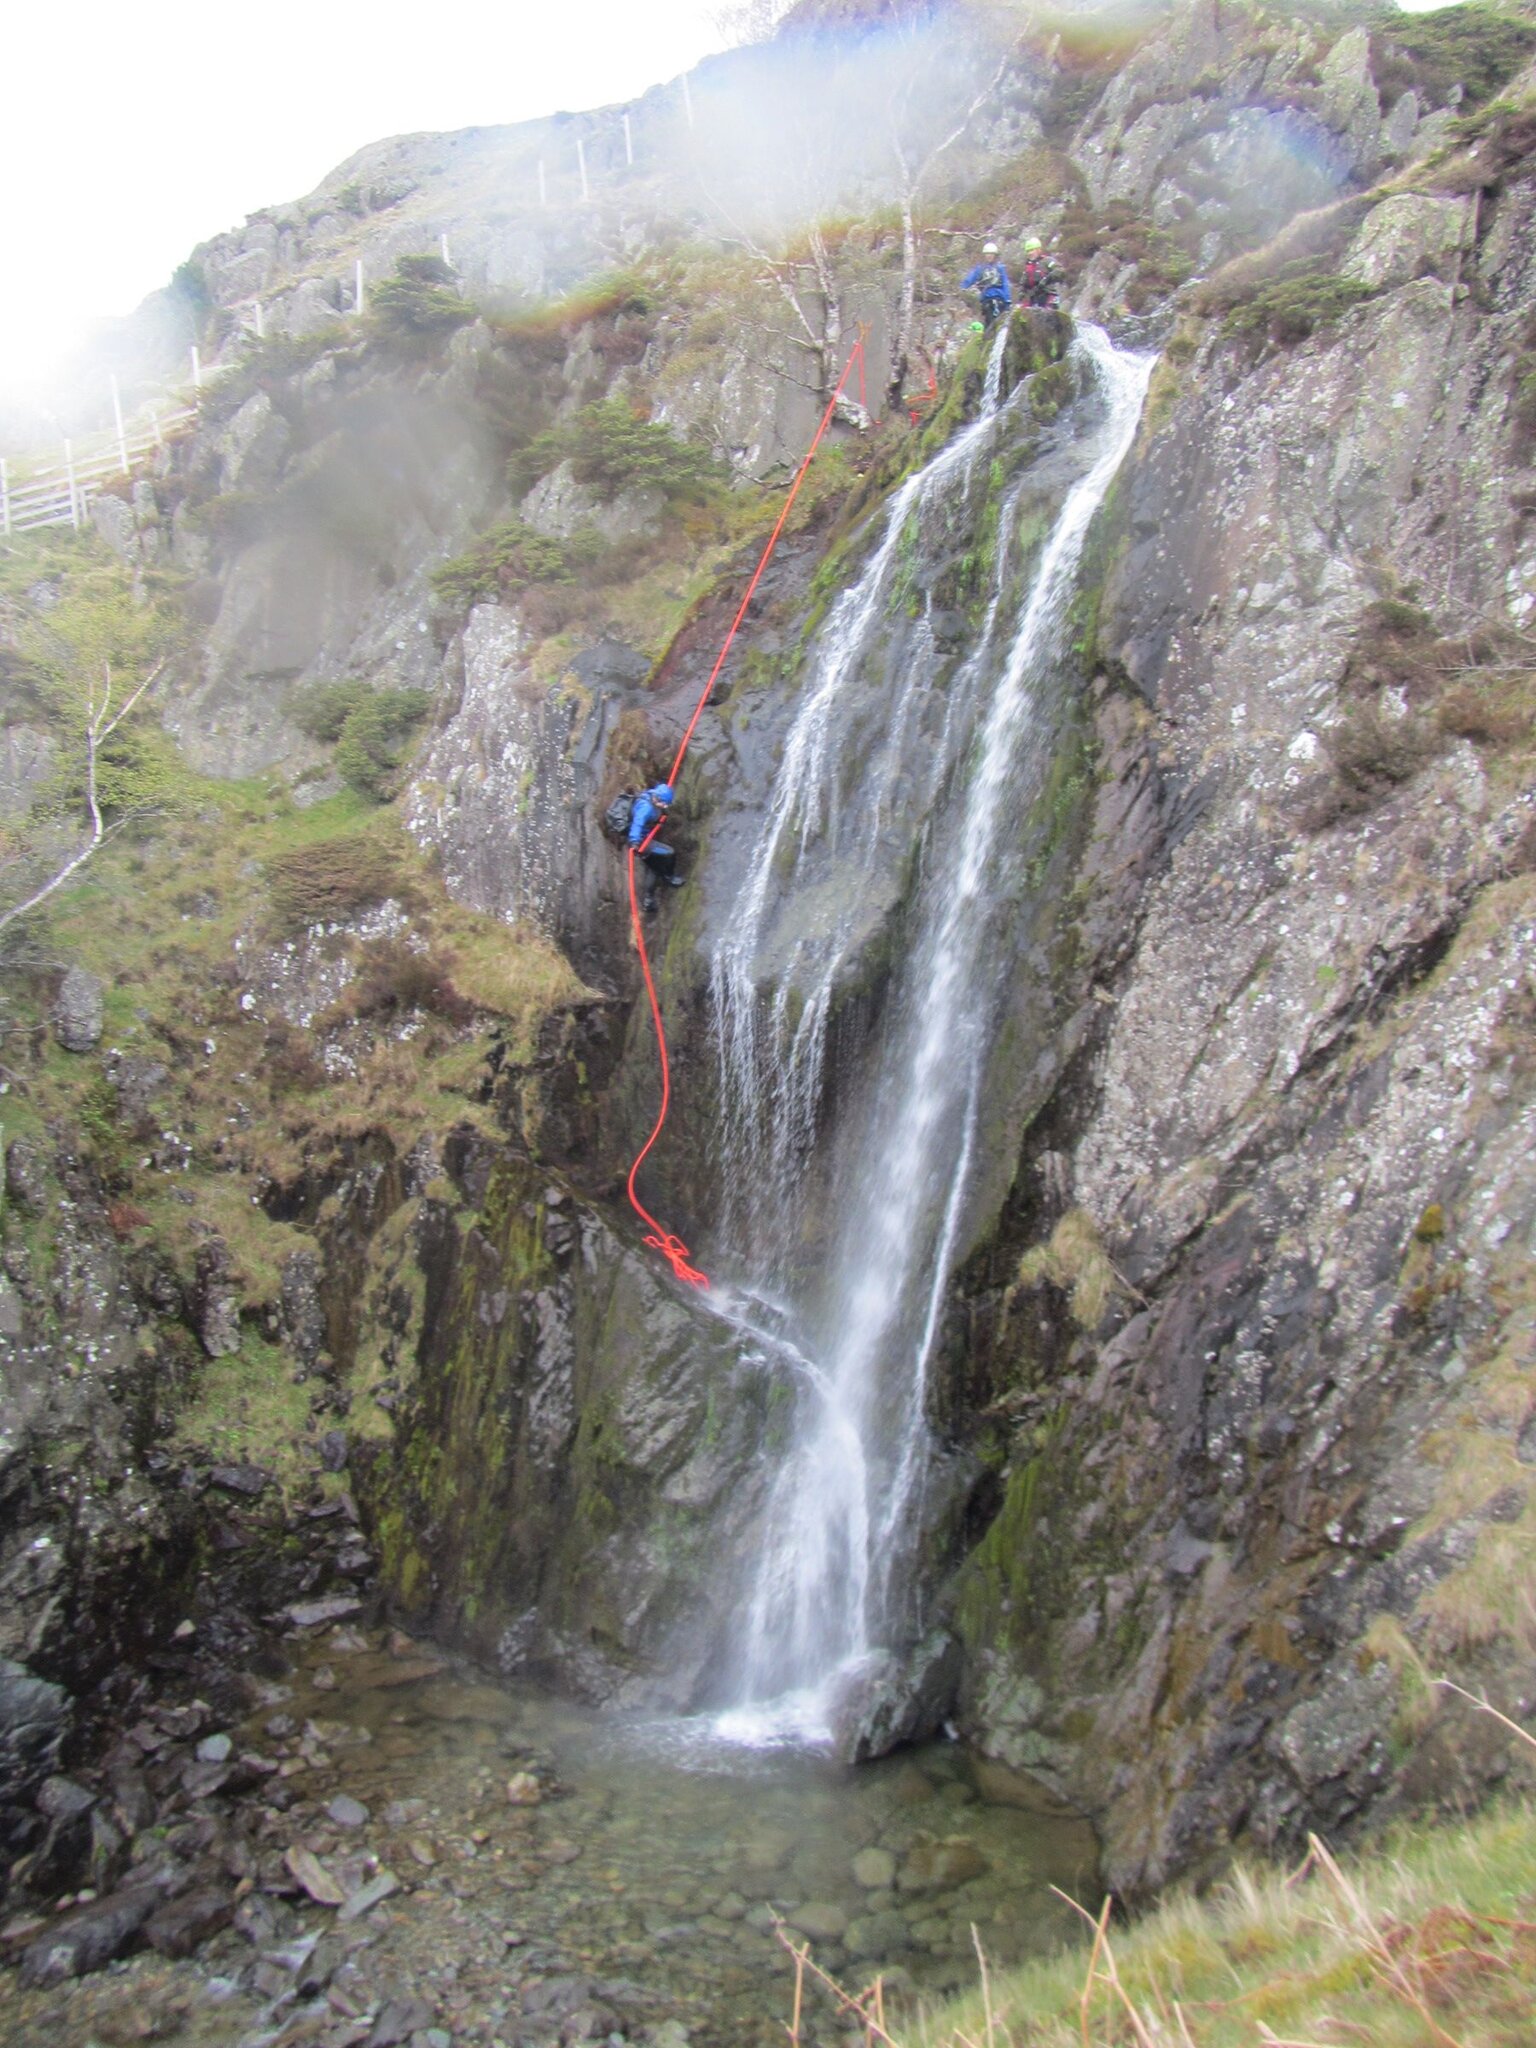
(658, 1238)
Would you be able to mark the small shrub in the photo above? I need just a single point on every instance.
(288, 1060)
(1302, 297)
(330, 880)
(1161, 264)
(509, 557)
(419, 305)
(1371, 752)
(375, 736)
(395, 978)
(230, 518)
(612, 448)
(322, 709)
(1075, 1260)
(1492, 714)
(1478, 48)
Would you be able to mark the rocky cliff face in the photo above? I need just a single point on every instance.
(1235, 1361)
(1290, 1457)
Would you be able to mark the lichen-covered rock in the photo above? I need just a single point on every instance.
(1406, 236)
(1225, 1486)
(77, 1011)
(575, 1462)
(559, 505)
(216, 1299)
(26, 1181)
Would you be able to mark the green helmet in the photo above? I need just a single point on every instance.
(1033, 245)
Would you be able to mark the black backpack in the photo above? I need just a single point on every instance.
(616, 817)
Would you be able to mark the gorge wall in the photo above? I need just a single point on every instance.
(1234, 1369)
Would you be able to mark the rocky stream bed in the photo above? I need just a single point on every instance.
(373, 1845)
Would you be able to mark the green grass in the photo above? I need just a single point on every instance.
(1426, 1942)
(248, 1410)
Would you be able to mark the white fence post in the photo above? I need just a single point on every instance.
(5, 497)
(358, 302)
(687, 100)
(261, 324)
(117, 414)
(69, 472)
(442, 243)
(629, 142)
(197, 369)
(581, 165)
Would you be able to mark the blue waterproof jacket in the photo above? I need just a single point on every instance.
(644, 814)
(993, 280)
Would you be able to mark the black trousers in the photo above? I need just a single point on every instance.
(661, 860)
(992, 310)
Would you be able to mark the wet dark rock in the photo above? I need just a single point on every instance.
(88, 1937)
(64, 1857)
(262, 1919)
(400, 2018)
(333, 1450)
(315, 1613)
(347, 1812)
(892, 1700)
(77, 1011)
(34, 1718)
(184, 1924)
(201, 1781)
(247, 1480)
(132, 1801)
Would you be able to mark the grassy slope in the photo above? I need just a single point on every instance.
(1428, 1941)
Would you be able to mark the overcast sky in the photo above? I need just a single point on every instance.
(130, 132)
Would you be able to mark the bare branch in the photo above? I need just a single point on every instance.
(97, 729)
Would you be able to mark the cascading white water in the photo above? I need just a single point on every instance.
(771, 1081)
(844, 1507)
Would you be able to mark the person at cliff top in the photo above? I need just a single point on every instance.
(1041, 280)
(990, 279)
(650, 808)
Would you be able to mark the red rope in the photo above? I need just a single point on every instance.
(658, 1238)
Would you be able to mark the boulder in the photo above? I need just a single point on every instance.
(893, 1698)
(931, 1866)
(25, 1177)
(559, 506)
(88, 1938)
(77, 1011)
(303, 1319)
(34, 1716)
(183, 1924)
(1406, 237)
(216, 1304)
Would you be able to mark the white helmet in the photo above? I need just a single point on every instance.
(989, 248)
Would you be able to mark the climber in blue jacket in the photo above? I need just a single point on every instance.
(991, 280)
(650, 808)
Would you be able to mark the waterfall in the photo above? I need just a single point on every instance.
(845, 1508)
(770, 1081)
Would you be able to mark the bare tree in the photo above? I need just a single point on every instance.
(916, 155)
(807, 285)
(749, 21)
(100, 724)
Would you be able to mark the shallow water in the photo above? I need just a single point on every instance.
(663, 1858)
